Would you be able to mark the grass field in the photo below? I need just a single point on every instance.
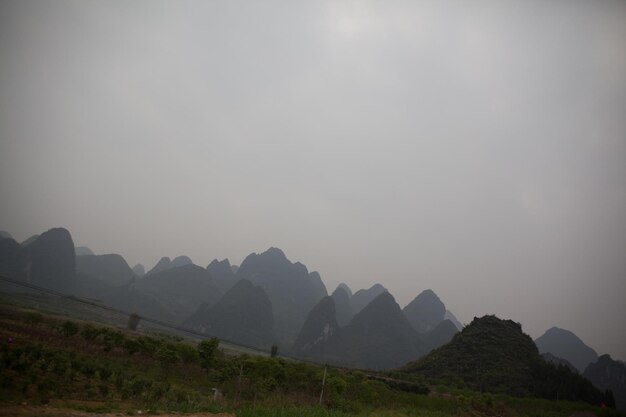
(58, 363)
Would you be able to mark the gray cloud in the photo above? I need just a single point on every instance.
(478, 150)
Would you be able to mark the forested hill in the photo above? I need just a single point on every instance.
(494, 355)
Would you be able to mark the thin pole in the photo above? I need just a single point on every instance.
(323, 383)
(239, 383)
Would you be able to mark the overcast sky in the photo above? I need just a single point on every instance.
(475, 148)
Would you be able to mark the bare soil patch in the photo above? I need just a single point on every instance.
(31, 411)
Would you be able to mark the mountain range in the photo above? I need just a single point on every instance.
(172, 295)
(425, 311)
(108, 270)
(270, 300)
(292, 289)
(566, 345)
(609, 375)
(363, 297)
(377, 337)
(165, 263)
(243, 315)
(47, 260)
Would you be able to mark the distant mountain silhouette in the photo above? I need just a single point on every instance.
(609, 374)
(290, 287)
(53, 261)
(173, 294)
(139, 270)
(47, 260)
(440, 335)
(82, 250)
(222, 273)
(318, 287)
(234, 268)
(180, 261)
(565, 344)
(425, 312)
(243, 315)
(548, 357)
(347, 289)
(5, 235)
(494, 355)
(378, 337)
(108, 270)
(163, 264)
(166, 263)
(13, 259)
(363, 297)
(319, 327)
(29, 240)
(453, 319)
(343, 307)
(269, 299)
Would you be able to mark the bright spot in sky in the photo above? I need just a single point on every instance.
(348, 26)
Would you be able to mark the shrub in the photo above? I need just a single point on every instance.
(34, 319)
(158, 391)
(104, 389)
(336, 385)
(186, 353)
(207, 350)
(167, 356)
(132, 346)
(104, 373)
(60, 364)
(89, 333)
(69, 329)
(88, 369)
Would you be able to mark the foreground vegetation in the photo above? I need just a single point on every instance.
(48, 360)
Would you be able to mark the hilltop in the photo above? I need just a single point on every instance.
(566, 345)
(494, 355)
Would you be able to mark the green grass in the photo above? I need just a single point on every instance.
(289, 412)
(99, 369)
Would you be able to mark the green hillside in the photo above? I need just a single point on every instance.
(494, 355)
(54, 362)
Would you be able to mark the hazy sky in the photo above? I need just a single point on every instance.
(475, 148)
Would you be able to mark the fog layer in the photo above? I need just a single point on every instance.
(478, 150)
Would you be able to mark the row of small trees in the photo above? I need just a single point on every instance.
(242, 377)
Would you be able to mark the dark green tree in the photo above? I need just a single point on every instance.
(133, 321)
(69, 329)
(207, 351)
(167, 357)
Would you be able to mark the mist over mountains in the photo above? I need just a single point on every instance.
(292, 290)
(242, 315)
(425, 311)
(270, 300)
(609, 374)
(565, 344)
(46, 260)
(446, 162)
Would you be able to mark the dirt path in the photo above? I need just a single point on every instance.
(30, 411)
